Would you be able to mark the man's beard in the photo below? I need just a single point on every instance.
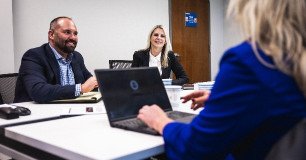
(64, 46)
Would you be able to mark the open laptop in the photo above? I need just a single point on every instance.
(125, 91)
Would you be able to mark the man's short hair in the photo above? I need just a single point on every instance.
(54, 21)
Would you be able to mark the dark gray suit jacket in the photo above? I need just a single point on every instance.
(39, 76)
(141, 59)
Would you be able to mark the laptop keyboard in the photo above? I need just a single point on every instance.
(135, 122)
(137, 125)
(176, 115)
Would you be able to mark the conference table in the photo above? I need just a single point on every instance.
(50, 132)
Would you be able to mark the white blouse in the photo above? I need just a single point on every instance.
(155, 62)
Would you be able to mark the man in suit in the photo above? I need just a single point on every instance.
(54, 70)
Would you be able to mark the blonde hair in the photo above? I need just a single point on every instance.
(279, 28)
(166, 48)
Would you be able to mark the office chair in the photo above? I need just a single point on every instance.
(292, 145)
(119, 64)
(7, 87)
(1, 101)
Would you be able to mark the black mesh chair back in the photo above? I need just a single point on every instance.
(118, 64)
(1, 101)
(7, 87)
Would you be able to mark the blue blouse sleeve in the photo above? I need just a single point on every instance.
(244, 115)
(212, 133)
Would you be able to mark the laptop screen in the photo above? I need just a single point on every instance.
(125, 91)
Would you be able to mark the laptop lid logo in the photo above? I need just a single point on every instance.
(134, 85)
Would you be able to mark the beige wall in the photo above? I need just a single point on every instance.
(108, 29)
(6, 38)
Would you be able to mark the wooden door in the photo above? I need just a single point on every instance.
(191, 43)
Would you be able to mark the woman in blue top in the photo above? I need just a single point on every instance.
(259, 92)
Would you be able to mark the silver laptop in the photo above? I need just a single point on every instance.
(125, 91)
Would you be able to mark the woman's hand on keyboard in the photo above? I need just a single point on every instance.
(154, 117)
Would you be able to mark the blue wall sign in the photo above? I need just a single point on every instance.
(191, 19)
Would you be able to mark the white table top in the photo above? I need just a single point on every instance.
(88, 136)
(44, 111)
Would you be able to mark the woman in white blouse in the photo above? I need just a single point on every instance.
(158, 54)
